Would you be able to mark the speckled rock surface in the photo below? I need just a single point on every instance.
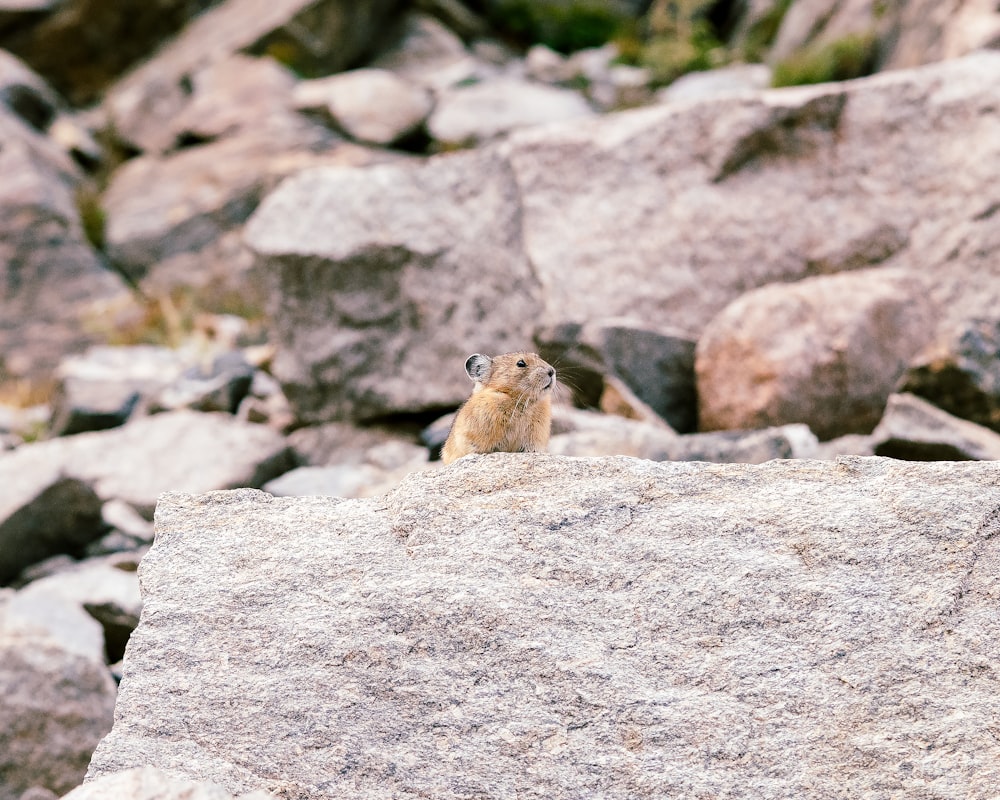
(521, 625)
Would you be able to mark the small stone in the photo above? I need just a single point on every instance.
(370, 105)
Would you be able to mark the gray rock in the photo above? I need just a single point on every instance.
(51, 276)
(100, 389)
(351, 292)
(56, 695)
(587, 434)
(221, 386)
(313, 38)
(161, 207)
(658, 365)
(853, 444)
(529, 625)
(236, 95)
(370, 105)
(908, 34)
(669, 213)
(725, 81)
(962, 374)
(108, 594)
(342, 444)
(138, 461)
(348, 481)
(913, 429)
(664, 214)
(923, 31)
(350, 462)
(826, 351)
(467, 115)
(428, 53)
(149, 783)
(746, 447)
(43, 511)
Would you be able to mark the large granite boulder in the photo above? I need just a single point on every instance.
(531, 625)
(50, 276)
(386, 279)
(663, 214)
(826, 351)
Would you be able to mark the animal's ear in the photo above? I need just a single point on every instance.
(478, 366)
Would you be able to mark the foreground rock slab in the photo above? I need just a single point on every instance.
(522, 625)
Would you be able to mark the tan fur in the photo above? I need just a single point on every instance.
(510, 409)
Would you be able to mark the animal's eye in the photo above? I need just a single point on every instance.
(521, 363)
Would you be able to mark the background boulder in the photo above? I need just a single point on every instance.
(826, 351)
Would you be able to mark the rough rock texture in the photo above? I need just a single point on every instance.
(43, 512)
(962, 374)
(312, 36)
(179, 449)
(149, 783)
(665, 214)
(536, 626)
(826, 351)
(913, 429)
(57, 697)
(668, 214)
(386, 279)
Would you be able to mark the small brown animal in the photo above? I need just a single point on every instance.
(510, 409)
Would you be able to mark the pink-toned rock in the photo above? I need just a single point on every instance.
(826, 351)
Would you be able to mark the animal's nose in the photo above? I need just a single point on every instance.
(552, 372)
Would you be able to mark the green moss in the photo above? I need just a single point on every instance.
(846, 58)
(679, 39)
(563, 25)
(92, 216)
(761, 35)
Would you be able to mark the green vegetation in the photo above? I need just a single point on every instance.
(840, 60)
(171, 318)
(761, 35)
(678, 38)
(563, 25)
(92, 217)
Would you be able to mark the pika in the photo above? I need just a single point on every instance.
(510, 409)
